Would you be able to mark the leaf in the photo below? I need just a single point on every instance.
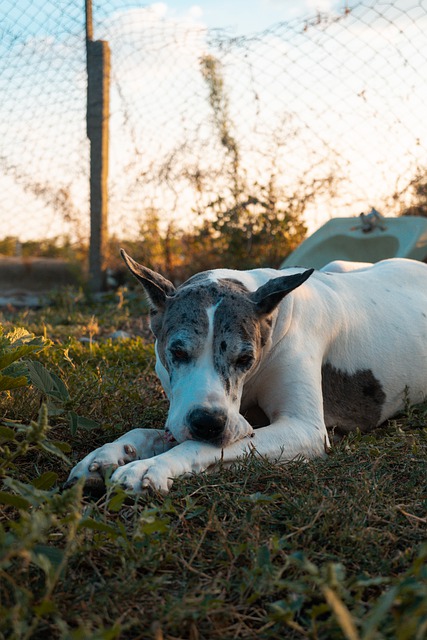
(73, 422)
(95, 525)
(46, 607)
(382, 606)
(12, 423)
(14, 501)
(27, 492)
(60, 386)
(16, 353)
(9, 382)
(45, 481)
(117, 500)
(40, 377)
(47, 382)
(87, 423)
(319, 610)
(50, 447)
(263, 556)
(47, 558)
(6, 434)
(62, 446)
(53, 409)
(152, 524)
(80, 422)
(20, 336)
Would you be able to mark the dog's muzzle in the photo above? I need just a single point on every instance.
(207, 424)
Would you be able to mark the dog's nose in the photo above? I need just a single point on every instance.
(206, 424)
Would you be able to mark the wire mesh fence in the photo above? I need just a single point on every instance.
(329, 109)
(43, 156)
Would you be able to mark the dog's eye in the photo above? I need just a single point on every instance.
(179, 354)
(244, 361)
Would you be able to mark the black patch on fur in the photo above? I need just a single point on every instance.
(351, 401)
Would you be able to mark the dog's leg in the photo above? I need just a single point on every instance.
(134, 445)
(297, 428)
(284, 440)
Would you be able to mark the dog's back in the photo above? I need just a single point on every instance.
(382, 339)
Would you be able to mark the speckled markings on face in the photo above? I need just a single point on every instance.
(185, 315)
(236, 328)
(239, 334)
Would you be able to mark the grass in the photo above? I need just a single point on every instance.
(328, 549)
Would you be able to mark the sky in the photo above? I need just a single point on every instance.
(333, 83)
(246, 16)
(339, 92)
(239, 17)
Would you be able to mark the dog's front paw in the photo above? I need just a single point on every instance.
(97, 464)
(154, 473)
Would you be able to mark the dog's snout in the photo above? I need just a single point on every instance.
(207, 424)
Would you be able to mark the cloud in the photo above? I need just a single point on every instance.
(324, 6)
(195, 12)
(159, 9)
(300, 8)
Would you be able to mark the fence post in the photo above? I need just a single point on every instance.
(97, 120)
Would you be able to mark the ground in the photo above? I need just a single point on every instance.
(328, 549)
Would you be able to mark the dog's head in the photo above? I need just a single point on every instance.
(210, 335)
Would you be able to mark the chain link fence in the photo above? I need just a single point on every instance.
(331, 108)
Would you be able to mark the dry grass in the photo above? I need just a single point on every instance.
(330, 549)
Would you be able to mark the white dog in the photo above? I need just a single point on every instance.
(287, 352)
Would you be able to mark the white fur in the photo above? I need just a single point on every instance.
(355, 317)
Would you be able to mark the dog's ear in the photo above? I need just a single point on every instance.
(156, 286)
(267, 297)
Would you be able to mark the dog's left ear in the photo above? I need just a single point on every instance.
(267, 297)
(156, 286)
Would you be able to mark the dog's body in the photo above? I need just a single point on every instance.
(290, 352)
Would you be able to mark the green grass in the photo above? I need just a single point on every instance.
(328, 549)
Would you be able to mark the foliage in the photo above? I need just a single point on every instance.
(248, 224)
(14, 346)
(17, 371)
(418, 189)
(59, 247)
(58, 399)
(328, 549)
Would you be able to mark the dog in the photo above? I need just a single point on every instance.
(267, 361)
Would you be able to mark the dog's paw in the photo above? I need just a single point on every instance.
(99, 463)
(154, 473)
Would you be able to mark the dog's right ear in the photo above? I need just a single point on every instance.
(156, 286)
